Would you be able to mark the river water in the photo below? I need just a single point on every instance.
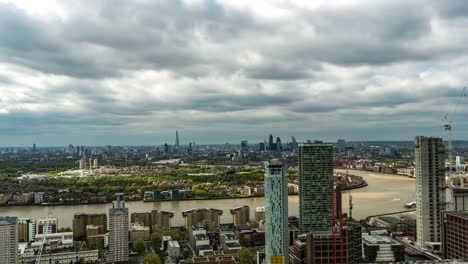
(385, 193)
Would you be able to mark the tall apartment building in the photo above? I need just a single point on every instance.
(430, 188)
(118, 231)
(315, 189)
(276, 211)
(8, 240)
(47, 225)
(240, 215)
(153, 219)
(455, 235)
(81, 221)
(196, 216)
(26, 229)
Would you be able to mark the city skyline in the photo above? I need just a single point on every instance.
(222, 68)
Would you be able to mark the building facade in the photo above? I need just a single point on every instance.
(118, 231)
(26, 229)
(240, 215)
(8, 240)
(276, 211)
(430, 188)
(81, 221)
(315, 186)
(455, 235)
(196, 216)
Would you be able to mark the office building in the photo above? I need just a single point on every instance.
(47, 225)
(379, 248)
(118, 231)
(430, 188)
(244, 145)
(271, 144)
(26, 229)
(276, 211)
(460, 199)
(240, 215)
(460, 164)
(82, 220)
(278, 145)
(8, 240)
(315, 186)
(324, 247)
(455, 235)
(176, 145)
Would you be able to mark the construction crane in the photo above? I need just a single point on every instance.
(449, 119)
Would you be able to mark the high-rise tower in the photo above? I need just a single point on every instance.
(270, 143)
(315, 189)
(429, 155)
(176, 146)
(276, 211)
(8, 240)
(118, 231)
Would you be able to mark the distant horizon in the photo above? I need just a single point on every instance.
(216, 144)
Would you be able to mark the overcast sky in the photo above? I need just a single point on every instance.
(132, 72)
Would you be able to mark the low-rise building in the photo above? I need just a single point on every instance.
(139, 231)
(379, 248)
(173, 248)
(88, 256)
(54, 241)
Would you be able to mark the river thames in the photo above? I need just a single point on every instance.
(385, 193)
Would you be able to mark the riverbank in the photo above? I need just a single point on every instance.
(358, 182)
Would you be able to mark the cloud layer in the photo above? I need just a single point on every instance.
(132, 72)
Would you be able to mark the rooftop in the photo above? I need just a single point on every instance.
(8, 219)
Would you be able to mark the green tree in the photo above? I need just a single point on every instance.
(393, 227)
(139, 246)
(156, 240)
(186, 253)
(151, 258)
(244, 255)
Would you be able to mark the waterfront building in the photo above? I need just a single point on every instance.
(196, 216)
(153, 219)
(82, 220)
(315, 186)
(455, 235)
(379, 248)
(430, 188)
(26, 229)
(240, 215)
(8, 240)
(118, 231)
(276, 211)
(47, 225)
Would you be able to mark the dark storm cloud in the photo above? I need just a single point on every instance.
(141, 67)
